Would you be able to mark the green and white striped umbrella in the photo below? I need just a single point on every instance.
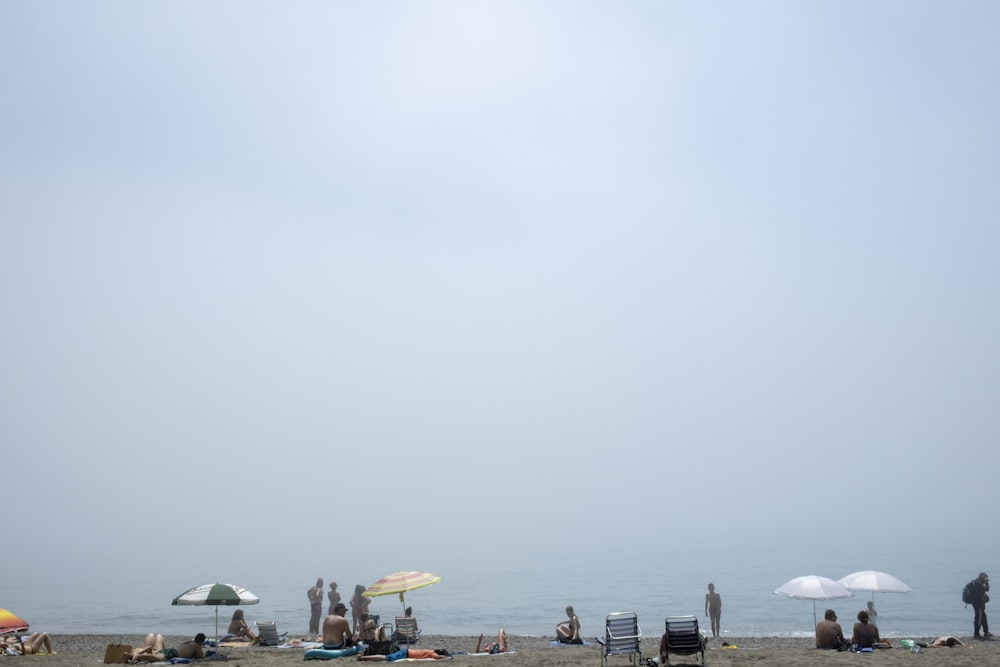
(216, 595)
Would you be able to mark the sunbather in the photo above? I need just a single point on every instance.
(30, 646)
(410, 653)
(568, 632)
(238, 627)
(499, 646)
(941, 642)
(154, 650)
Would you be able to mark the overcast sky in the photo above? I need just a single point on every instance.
(542, 265)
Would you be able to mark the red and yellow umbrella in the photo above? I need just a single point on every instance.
(11, 622)
(400, 582)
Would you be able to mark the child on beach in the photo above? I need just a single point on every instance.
(238, 627)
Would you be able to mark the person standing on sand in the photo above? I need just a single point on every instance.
(333, 596)
(980, 596)
(713, 609)
(315, 595)
(359, 605)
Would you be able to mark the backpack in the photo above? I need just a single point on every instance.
(969, 593)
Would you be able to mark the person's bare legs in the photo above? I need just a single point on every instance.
(478, 644)
(39, 639)
(502, 640)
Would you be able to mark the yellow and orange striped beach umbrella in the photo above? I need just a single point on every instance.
(400, 582)
(11, 622)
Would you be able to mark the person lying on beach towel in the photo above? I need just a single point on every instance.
(410, 654)
(941, 642)
(30, 646)
(154, 650)
(499, 646)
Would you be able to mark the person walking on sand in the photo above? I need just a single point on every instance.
(315, 595)
(333, 595)
(980, 596)
(713, 609)
(568, 632)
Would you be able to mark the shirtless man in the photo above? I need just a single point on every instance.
(829, 634)
(337, 630)
(713, 609)
(568, 632)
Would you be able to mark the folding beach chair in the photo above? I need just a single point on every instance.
(622, 636)
(406, 630)
(683, 638)
(267, 633)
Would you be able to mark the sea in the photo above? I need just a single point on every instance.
(527, 595)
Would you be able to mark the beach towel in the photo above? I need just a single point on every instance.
(509, 652)
(556, 642)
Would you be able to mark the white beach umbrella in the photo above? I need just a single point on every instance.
(813, 587)
(874, 582)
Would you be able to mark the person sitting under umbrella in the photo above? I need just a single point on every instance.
(31, 646)
(865, 634)
(154, 650)
(238, 627)
(829, 634)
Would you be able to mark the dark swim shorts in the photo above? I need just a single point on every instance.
(170, 653)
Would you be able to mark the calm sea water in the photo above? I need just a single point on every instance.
(527, 595)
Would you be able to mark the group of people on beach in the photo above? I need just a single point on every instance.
(359, 604)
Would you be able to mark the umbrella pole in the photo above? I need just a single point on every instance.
(814, 616)
(216, 623)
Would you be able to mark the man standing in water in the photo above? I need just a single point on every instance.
(713, 609)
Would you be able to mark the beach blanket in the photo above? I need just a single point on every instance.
(300, 644)
(556, 642)
(476, 655)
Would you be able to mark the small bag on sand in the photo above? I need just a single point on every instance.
(114, 652)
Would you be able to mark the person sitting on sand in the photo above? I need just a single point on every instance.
(941, 642)
(239, 628)
(499, 646)
(568, 632)
(865, 634)
(154, 650)
(829, 634)
(336, 630)
(368, 629)
(31, 646)
(411, 654)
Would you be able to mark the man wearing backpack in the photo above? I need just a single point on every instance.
(978, 599)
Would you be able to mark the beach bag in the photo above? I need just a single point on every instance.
(114, 652)
(381, 648)
(968, 593)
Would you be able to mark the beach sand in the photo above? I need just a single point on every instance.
(74, 650)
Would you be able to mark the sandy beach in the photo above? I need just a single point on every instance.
(537, 652)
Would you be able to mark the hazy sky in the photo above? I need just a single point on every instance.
(542, 266)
